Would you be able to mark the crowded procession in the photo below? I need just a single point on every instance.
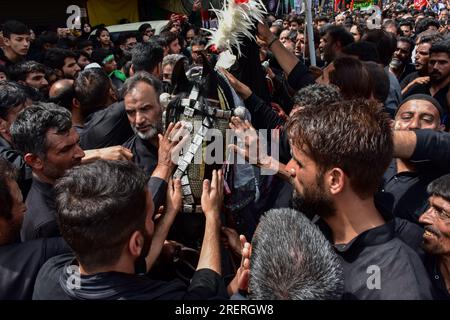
(225, 150)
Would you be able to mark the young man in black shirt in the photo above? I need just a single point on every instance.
(339, 155)
(116, 192)
(436, 239)
(43, 133)
(16, 38)
(19, 262)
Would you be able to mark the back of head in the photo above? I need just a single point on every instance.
(317, 95)
(99, 55)
(29, 131)
(363, 50)
(11, 27)
(91, 90)
(385, 43)
(99, 206)
(353, 135)
(62, 93)
(379, 80)
(351, 77)
(146, 56)
(292, 260)
(11, 95)
(339, 33)
(426, 23)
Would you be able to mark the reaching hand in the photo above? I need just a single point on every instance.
(243, 90)
(174, 198)
(212, 196)
(168, 144)
(264, 33)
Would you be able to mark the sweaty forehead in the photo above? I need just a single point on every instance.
(419, 106)
(141, 94)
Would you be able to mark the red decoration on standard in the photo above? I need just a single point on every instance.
(240, 1)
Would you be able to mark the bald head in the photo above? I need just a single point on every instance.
(62, 93)
(60, 86)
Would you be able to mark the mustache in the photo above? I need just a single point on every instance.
(433, 230)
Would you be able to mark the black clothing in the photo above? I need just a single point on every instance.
(145, 155)
(402, 274)
(440, 288)
(20, 264)
(107, 127)
(409, 68)
(15, 158)
(440, 96)
(4, 61)
(300, 77)
(55, 283)
(40, 217)
(408, 79)
(404, 194)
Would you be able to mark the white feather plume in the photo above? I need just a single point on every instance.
(235, 21)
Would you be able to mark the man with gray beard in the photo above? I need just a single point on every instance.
(141, 98)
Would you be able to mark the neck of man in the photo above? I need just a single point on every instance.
(42, 178)
(353, 216)
(444, 266)
(436, 86)
(124, 265)
(11, 55)
(405, 166)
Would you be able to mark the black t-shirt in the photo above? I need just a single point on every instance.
(145, 155)
(21, 262)
(379, 265)
(408, 79)
(404, 194)
(432, 265)
(107, 127)
(40, 217)
(58, 280)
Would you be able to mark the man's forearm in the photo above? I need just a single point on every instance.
(210, 252)
(404, 144)
(285, 58)
(160, 235)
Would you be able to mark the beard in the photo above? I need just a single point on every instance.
(314, 201)
(152, 132)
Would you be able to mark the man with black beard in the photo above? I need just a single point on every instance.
(339, 155)
(141, 98)
(439, 68)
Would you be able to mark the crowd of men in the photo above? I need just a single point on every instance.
(89, 208)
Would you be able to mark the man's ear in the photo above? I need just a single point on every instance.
(76, 104)
(6, 42)
(335, 180)
(4, 127)
(34, 161)
(136, 244)
(132, 70)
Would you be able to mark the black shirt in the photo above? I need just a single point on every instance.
(409, 68)
(40, 217)
(107, 127)
(402, 274)
(408, 79)
(20, 264)
(15, 158)
(145, 155)
(55, 282)
(404, 194)
(440, 288)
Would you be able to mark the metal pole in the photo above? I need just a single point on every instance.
(309, 27)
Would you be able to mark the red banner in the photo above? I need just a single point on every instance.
(419, 4)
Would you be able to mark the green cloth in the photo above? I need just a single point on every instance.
(119, 75)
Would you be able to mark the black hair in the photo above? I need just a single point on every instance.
(54, 58)
(91, 90)
(21, 70)
(99, 207)
(365, 51)
(7, 172)
(11, 27)
(440, 187)
(146, 56)
(12, 95)
(29, 130)
(441, 46)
